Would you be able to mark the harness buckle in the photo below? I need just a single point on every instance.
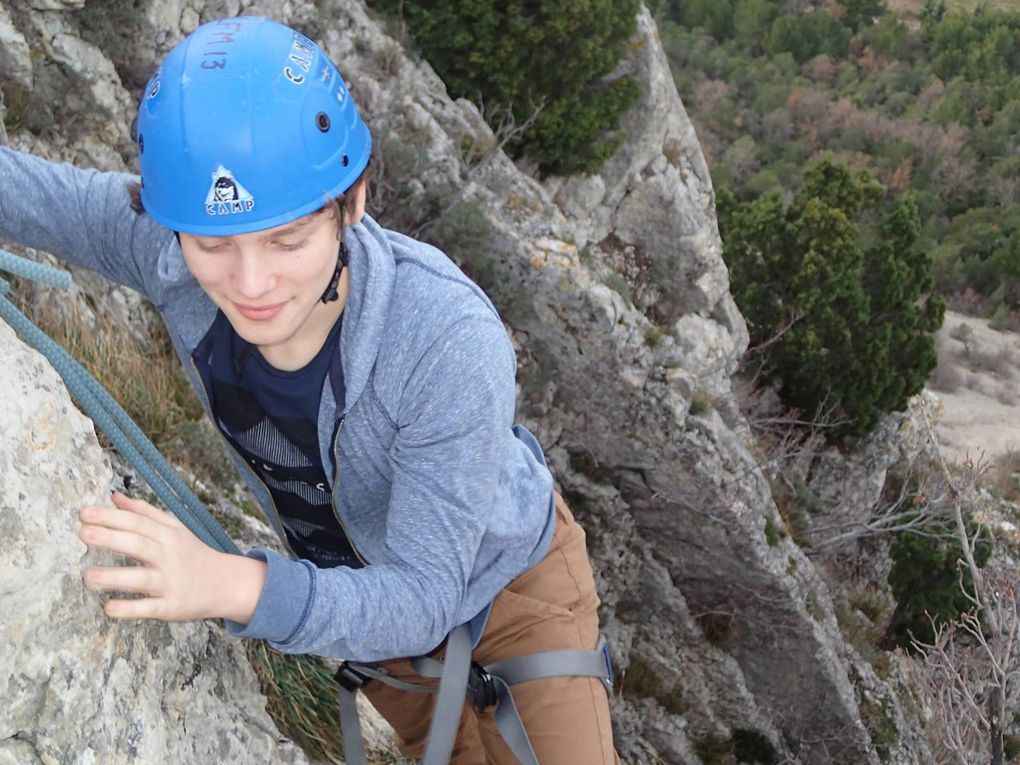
(349, 679)
(482, 687)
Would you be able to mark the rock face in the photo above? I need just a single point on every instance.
(75, 685)
(617, 298)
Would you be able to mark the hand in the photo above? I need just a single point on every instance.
(180, 576)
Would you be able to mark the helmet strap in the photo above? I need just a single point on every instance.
(331, 294)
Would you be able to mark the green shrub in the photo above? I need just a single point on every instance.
(515, 59)
(835, 293)
(773, 531)
(926, 576)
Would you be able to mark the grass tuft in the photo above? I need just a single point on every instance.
(302, 701)
(144, 378)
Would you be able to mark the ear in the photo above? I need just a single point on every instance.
(356, 210)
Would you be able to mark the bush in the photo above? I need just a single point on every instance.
(301, 697)
(835, 294)
(1006, 475)
(927, 573)
(518, 58)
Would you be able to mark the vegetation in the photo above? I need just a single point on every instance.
(930, 105)
(547, 62)
(302, 699)
(928, 578)
(145, 378)
(834, 289)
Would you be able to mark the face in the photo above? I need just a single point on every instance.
(225, 190)
(268, 283)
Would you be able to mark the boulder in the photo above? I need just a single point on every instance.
(75, 685)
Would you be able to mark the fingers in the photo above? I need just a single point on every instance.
(135, 579)
(129, 543)
(127, 579)
(144, 509)
(135, 515)
(140, 608)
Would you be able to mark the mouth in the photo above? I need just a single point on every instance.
(259, 312)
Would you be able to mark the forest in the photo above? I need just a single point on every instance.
(864, 155)
(925, 97)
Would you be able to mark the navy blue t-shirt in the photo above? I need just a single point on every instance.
(270, 416)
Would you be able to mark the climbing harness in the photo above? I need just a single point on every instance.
(486, 686)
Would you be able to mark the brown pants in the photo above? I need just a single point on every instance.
(549, 607)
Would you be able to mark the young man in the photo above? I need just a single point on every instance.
(364, 387)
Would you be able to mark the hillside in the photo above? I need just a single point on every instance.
(978, 380)
(931, 110)
(741, 559)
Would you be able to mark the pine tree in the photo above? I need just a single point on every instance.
(520, 57)
(926, 579)
(839, 307)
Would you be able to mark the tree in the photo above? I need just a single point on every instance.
(930, 582)
(751, 22)
(861, 13)
(933, 11)
(970, 676)
(805, 35)
(550, 62)
(837, 305)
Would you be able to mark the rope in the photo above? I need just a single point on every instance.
(37, 272)
(107, 414)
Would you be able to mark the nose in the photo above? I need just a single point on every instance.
(253, 275)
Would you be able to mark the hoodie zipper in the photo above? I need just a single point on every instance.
(335, 503)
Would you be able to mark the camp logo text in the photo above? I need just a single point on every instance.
(226, 196)
(302, 52)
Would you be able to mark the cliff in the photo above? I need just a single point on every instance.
(615, 293)
(77, 686)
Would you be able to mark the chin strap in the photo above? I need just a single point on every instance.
(331, 292)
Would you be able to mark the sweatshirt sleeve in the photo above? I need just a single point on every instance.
(453, 437)
(81, 216)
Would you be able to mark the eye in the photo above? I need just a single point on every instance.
(291, 246)
(213, 247)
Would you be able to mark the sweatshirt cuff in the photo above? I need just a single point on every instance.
(285, 601)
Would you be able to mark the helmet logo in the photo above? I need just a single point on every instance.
(226, 196)
(302, 51)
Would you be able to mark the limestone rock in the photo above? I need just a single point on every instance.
(74, 683)
(617, 300)
(15, 56)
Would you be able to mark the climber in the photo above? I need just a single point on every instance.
(363, 385)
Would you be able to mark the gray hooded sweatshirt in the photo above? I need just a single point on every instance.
(440, 494)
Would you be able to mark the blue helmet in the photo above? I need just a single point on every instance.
(246, 125)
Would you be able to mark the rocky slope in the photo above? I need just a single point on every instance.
(614, 290)
(75, 685)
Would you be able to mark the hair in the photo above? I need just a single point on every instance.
(342, 205)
